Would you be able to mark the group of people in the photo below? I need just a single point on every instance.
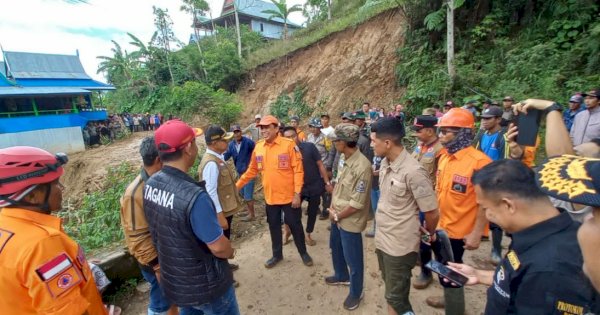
(143, 122)
(433, 203)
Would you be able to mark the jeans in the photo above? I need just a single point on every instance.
(248, 191)
(375, 194)
(224, 305)
(326, 203)
(313, 210)
(293, 218)
(347, 253)
(158, 304)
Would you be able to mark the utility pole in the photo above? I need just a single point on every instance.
(237, 29)
(328, 9)
(450, 41)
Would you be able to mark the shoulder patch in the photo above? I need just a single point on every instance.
(5, 236)
(59, 274)
(513, 260)
(361, 187)
(569, 309)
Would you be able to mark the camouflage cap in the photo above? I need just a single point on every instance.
(348, 116)
(359, 115)
(345, 132)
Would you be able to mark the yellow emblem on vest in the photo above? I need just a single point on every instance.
(513, 260)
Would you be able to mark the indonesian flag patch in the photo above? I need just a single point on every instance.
(59, 274)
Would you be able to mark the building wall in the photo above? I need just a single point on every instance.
(67, 140)
(30, 123)
(269, 30)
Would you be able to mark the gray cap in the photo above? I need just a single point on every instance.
(492, 111)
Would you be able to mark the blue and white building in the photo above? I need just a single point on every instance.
(45, 101)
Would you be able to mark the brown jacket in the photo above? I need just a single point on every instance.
(135, 226)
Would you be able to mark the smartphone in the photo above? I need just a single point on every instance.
(528, 127)
(443, 270)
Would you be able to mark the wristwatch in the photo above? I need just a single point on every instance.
(553, 107)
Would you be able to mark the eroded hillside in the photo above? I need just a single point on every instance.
(346, 67)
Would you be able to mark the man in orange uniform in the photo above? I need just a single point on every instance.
(42, 270)
(279, 161)
(460, 215)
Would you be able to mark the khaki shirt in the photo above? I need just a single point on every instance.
(428, 155)
(353, 189)
(135, 226)
(405, 189)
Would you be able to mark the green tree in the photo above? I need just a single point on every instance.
(282, 12)
(118, 68)
(193, 7)
(164, 35)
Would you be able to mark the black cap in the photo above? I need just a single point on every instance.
(424, 121)
(593, 92)
(325, 115)
(215, 132)
(492, 111)
(235, 128)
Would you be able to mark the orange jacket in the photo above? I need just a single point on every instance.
(456, 193)
(42, 270)
(280, 164)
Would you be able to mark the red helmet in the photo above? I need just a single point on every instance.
(457, 117)
(22, 167)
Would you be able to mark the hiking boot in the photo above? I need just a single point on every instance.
(352, 303)
(334, 281)
(234, 267)
(272, 262)
(423, 281)
(324, 215)
(306, 259)
(436, 301)
(495, 258)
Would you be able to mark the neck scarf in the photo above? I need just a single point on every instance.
(463, 138)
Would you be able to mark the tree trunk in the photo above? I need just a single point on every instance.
(201, 53)
(169, 66)
(450, 41)
(329, 9)
(285, 30)
(237, 30)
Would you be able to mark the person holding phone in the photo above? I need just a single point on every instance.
(541, 273)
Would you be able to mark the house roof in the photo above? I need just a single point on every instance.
(255, 8)
(52, 90)
(24, 65)
(2, 68)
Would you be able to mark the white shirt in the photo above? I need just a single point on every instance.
(210, 174)
(327, 131)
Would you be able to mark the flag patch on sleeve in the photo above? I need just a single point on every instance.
(59, 274)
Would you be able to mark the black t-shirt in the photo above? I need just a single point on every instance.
(313, 183)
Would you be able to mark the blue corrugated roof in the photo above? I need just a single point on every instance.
(44, 66)
(256, 7)
(88, 84)
(20, 91)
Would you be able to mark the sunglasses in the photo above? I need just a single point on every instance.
(445, 131)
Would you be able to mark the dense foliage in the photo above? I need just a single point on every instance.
(523, 48)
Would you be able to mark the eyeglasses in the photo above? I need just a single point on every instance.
(445, 131)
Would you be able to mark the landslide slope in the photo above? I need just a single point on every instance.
(346, 67)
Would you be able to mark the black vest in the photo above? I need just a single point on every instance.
(190, 274)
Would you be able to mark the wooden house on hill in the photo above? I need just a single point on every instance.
(250, 13)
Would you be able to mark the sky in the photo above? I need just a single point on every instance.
(61, 27)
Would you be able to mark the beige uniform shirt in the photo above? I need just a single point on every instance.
(353, 189)
(405, 189)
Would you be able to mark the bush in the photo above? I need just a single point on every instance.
(97, 222)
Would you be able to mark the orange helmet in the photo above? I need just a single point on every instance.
(457, 118)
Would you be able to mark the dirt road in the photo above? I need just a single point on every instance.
(292, 288)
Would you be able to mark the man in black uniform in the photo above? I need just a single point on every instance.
(541, 273)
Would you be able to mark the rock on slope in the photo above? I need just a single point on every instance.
(347, 67)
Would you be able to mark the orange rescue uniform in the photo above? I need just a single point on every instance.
(280, 164)
(301, 135)
(456, 193)
(42, 270)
